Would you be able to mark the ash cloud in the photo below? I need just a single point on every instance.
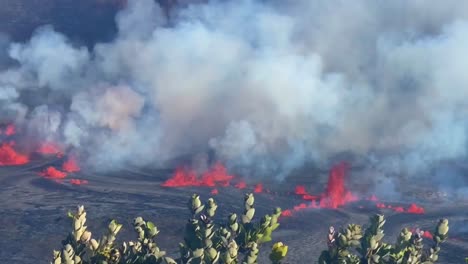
(268, 86)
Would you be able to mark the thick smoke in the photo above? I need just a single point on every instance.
(267, 85)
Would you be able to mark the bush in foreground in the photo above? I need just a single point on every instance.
(238, 241)
(204, 241)
(352, 246)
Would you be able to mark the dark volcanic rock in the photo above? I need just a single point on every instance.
(33, 213)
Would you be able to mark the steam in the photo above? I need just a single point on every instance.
(268, 86)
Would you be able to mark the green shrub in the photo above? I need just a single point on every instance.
(351, 245)
(204, 241)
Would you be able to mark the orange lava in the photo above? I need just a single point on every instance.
(300, 207)
(336, 194)
(9, 156)
(258, 188)
(427, 234)
(414, 209)
(53, 173)
(10, 130)
(300, 190)
(50, 148)
(71, 165)
(309, 197)
(216, 176)
(241, 185)
(381, 205)
(78, 182)
(182, 177)
(286, 213)
(373, 198)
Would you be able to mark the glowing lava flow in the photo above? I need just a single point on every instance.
(300, 190)
(50, 148)
(9, 156)
(241, 185)
(425, 234)
(412, 209)
(10, 130)
(216, 176)
(258, 188)
(53, 173)
(71, 165)
(78, 182)
(336, 194)
(182, 177)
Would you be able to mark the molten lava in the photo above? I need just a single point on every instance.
(398, 209)
(309, 197)
(182, 177)
(10, 130)
(241, 185)
(78, 182)
(258, 188)
(286, 213)
(71, 165)
(216, 176)
(9, 156)
(50, 148)
(53, 173)
(336, 193)
(414, 209)
(427, 234)
(381, 205)
(373, 198)
(300, 190)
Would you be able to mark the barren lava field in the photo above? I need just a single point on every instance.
(38, 189)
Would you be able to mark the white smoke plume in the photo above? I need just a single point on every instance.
(267, 85)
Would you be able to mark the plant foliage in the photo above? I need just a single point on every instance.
(352, 245)
(205, 242)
